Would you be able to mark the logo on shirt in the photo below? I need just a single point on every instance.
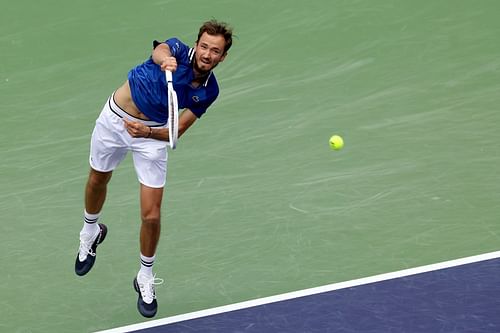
(196, 99)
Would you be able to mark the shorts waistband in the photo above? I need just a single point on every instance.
(116, 109)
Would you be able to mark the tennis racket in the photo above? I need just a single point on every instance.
(173, 112)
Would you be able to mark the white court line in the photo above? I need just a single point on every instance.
(305, 292)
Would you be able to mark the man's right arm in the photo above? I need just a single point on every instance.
(163, 57)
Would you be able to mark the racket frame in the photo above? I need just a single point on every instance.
(173, 111)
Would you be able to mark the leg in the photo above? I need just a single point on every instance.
(150, 161)
(95, 191)
(150, 234)
(107, 149)
(92, 233)
(150, 215)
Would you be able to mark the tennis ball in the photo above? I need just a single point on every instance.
(336, 142)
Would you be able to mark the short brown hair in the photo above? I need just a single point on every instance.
(214, 27)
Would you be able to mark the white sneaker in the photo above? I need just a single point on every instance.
(87, 251)
(86, 242)
(145, 287)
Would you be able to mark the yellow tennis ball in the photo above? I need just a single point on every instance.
(336, 142)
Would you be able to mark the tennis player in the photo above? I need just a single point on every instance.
(134, 119)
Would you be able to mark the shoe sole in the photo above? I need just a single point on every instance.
(87, 265)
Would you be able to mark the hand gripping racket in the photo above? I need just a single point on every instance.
(173, 112)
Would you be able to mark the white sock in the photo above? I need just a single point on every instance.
(90, 225)
(147, 265)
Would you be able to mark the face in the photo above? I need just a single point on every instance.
(209, 52)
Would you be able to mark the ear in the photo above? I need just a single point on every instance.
(223, 57)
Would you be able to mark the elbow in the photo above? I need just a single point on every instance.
(160, 52)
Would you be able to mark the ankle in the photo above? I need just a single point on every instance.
(90, 225)
(147, 265)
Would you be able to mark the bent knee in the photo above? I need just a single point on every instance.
(97, 178)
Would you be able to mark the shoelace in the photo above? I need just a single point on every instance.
(86, 246)
(151, 282)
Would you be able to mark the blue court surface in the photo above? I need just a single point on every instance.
(456, 296)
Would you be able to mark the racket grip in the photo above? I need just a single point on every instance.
(168, 76)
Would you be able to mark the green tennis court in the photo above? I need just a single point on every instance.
(256, 203)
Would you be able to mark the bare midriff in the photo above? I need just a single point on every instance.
(123, 97)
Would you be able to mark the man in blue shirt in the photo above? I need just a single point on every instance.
(135, 119)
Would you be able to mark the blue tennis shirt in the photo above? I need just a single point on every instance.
(149, 87)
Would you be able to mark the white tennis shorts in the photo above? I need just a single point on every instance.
(111, 142)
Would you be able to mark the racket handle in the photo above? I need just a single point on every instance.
(168, 76)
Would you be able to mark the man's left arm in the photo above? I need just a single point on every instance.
(139, 130)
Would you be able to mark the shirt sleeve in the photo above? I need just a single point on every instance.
(177, 48)
(200, 108)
